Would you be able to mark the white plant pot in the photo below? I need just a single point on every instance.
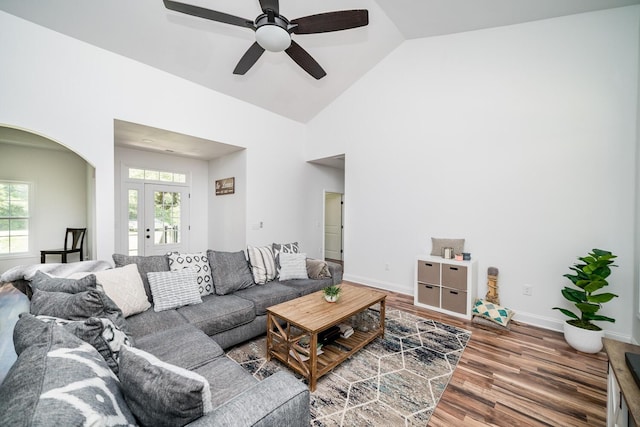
(331, 298)
(583, 340)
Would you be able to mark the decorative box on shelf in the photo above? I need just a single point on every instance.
(446, 285)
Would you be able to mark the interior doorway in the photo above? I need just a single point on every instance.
(333, 226)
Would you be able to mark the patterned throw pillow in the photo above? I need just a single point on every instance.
(263, 264)
(200, 262)
(494, 312)
(60, 380)
(124, 286)
(293, 266)
(288, 248)
(101, 333)
(173, 289)
(161, 394)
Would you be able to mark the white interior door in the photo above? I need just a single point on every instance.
(333, 226)
(166, 219)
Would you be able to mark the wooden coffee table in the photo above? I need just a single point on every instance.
(307, 316)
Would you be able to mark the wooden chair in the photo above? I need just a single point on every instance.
(73, 243)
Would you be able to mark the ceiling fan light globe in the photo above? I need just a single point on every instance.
(273, 38)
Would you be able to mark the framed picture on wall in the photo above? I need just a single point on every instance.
(225, 186)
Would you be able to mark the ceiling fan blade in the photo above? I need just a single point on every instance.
(304, 60)
(213, 15)
(331, 21)
(248, 59)
(270, 4)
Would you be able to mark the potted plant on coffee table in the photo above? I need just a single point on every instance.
(589, 276)
(331, 293)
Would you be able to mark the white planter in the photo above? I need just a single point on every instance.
(331, 298)
(583, 340)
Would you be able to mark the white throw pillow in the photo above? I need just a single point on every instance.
(124, 286)
(263, 264)
(293, 266)
(173, 289)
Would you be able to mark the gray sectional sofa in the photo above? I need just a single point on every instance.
(191, 337)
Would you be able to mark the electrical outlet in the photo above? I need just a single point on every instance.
(527, 290)
(386, 267)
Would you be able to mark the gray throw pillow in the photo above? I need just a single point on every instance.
(80, 306)
(230, 271)
(44, 282)
(100, 332)
(60, 380)
(438, 244)
(161, 394)
(145, 265)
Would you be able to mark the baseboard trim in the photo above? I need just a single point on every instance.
(387, 286)
(522, 317)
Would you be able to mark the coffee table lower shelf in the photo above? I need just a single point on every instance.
(283, 344)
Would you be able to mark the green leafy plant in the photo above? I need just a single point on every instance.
(332, 291)
(589, 276)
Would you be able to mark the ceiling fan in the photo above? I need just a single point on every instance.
(273, 31)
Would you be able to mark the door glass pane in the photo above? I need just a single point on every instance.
(167, 217)
(133, 222)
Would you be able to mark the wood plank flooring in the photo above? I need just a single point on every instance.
(528, 376)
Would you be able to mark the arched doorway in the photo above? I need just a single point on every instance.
(60, 193)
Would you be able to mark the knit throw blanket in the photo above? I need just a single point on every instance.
(26, 272)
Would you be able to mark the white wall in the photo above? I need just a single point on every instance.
(196, 170)
(228, 213)
(636, 281)
(520, 139)
(81, 90)
(59, 196)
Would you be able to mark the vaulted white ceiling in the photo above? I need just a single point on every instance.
(206, 52)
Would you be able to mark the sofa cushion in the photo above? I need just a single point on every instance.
(185, 346)
(60, 380)
(44, 282)
(161, 394)
(124, 286)
(226, 379)
(145, 265)
(230, 271)
(293, 266)
(219, 313)
(267, 295)
(150, 322)
(307, 286)
(263, 264)
(101, 333)
(91, 303)
(200, 262)
(173, 289)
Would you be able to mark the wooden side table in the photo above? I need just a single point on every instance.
(623, 394)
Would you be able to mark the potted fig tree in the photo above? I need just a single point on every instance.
(588, 277)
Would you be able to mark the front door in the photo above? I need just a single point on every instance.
(157, 218)
(166, 224)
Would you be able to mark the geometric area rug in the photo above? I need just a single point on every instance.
(393, 381)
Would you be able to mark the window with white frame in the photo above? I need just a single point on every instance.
(14, 217)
